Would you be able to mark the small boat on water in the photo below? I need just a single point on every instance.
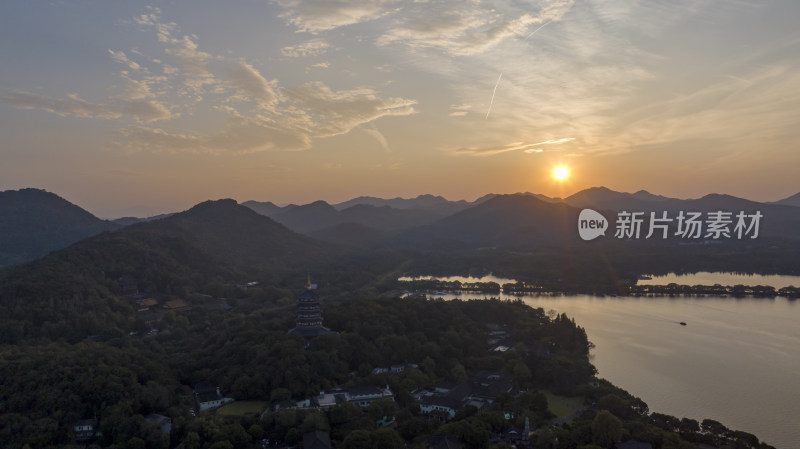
(683, 323)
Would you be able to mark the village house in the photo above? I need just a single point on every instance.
(85, 430)
(146, 303)
(365, 395)
(487, 386)
(208, 396)
(448, 397)
(441, 408)
(394, 369)
(361, 396)
(323, 400)
(177, 305)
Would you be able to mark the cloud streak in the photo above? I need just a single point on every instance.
(494, 91)
(73, 105)
(515, 146)
(460, 29)
(313, 47)
(313, 16)
(251, 83)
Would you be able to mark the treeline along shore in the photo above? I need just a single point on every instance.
(551, 288)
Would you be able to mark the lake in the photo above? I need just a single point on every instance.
(736, 361)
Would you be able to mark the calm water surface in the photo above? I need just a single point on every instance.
(736, 361)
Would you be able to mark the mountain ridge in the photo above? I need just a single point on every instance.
(34, 222)
(382, 221)
(212, 238)
(503, 221)
(793, 200)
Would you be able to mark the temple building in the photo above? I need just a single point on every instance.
(309, 314)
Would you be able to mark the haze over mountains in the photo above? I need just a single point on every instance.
(34, 222)
(222, 243)
(211, 243)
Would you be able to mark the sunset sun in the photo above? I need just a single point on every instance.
(560, 173)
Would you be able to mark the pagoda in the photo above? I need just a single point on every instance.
(309, 313)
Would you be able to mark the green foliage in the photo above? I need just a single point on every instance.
(251, 356)
(606, 429)
(242, 408)
(472, 431)
(562, 406)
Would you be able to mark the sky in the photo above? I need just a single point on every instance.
(135, 108)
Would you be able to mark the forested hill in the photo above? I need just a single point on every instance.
(75, 292)
(34, 222)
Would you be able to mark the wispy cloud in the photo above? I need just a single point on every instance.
(462, 29)
(287, 122)
(313, 47)
(453, 26)
(745, 112)
(73, 105)
(515, 146)
(251, 83)
(259, 113)
(192, 63)
(122, 58)
(459, 110)
(331, 113)
(315, 16)
(241, 135)
(373, 131)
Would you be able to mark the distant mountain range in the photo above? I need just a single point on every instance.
(361, 220)
(222, 243)
(603, 198)
(34, 222)
(266, 208)
(436, 204)
(319, 216)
